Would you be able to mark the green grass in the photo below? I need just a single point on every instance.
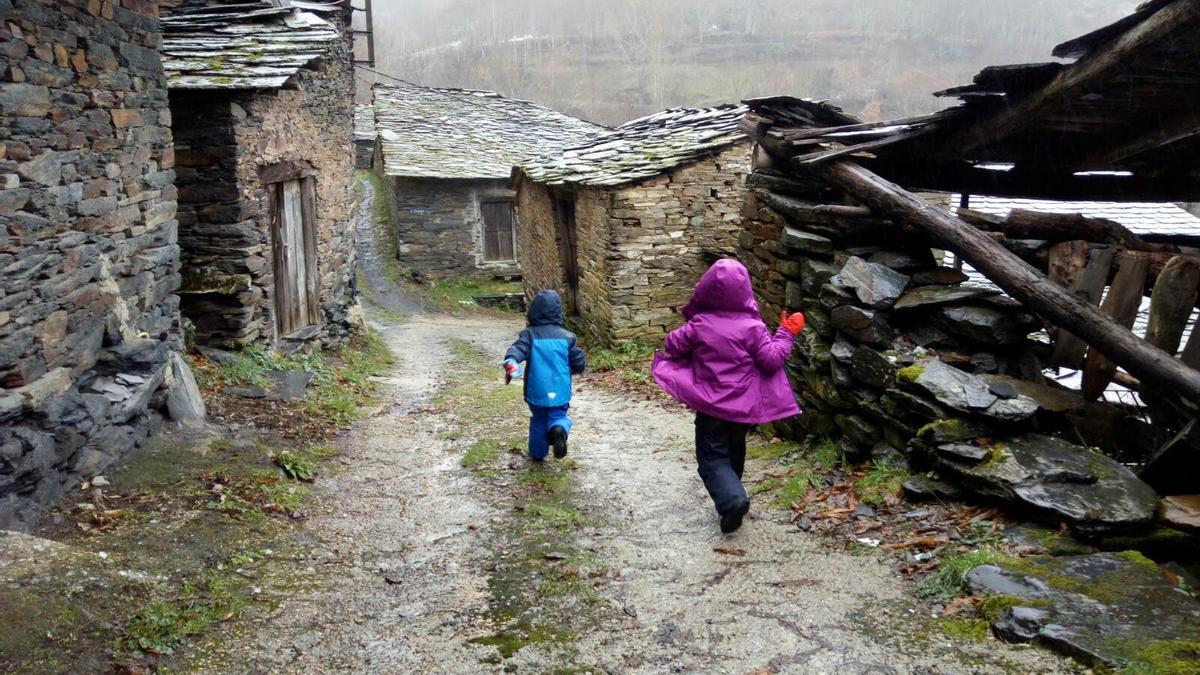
(482, 452)
(881, 481)
(161, 625)
(950, 579)
(621, 356)
(460, 293)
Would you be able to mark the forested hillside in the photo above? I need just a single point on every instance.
(611, 60)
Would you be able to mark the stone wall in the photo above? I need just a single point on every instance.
(224, 143)
(439, 229)
(640, 249)
(88, 256)
(901, 360)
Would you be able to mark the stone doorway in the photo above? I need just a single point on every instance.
(564, 221)
(294, 255)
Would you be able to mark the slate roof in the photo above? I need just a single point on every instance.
(252, 44)
(428, 132)
(642, 148)
(1140, 218)
(364, 122)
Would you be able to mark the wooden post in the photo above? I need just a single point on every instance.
(1171, 302)
(1122, 303)
(1149, 364)
(1089, 287)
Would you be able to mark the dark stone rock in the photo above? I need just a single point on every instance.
(807, 241)
(900, 403)
(816, 273)
(184, 403)
(1110, 610)
(925, 335)
(246, 392)
(863, 325)
(842, 351)
(984, 362)
(950, 386)
(986, 325)
(10, 406)
(963, 452)
(926, 296)
(941, 276)
(1060, 480)
(139, 355)
(904, 261)
(859, 430)
(218, 356)
(923, 488)
(873, 368)
(1002, 389)
(876, 286)
(290, 385)
(832, 296)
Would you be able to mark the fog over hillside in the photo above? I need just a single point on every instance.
(612, 60)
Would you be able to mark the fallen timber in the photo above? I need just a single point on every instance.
(1148, 363)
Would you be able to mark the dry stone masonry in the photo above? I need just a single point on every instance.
(235, 147)
(900, 354)
(89, 261)
(446, 154)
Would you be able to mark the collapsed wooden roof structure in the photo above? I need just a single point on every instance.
(250, 44)
(429, 132)
(1119, 123)
(642, 148)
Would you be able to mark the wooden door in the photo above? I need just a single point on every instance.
(499, 234)
(294, 256)
(564, 208)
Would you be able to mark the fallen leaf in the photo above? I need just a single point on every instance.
(729, 550)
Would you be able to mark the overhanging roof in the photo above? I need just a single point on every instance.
(256, 44)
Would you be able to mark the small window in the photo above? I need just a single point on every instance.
(499, 233)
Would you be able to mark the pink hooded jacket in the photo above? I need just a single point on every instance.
(724, 362)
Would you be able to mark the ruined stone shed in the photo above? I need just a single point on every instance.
(89, 261)
(262, 107)
(448, 156)
(903, 358)
(624, 225)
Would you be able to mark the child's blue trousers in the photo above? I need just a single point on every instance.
(540, 421)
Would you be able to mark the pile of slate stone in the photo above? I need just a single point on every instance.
(902, 355)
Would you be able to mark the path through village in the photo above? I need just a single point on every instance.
(444, 550)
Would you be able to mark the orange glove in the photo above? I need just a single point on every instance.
(794, 323)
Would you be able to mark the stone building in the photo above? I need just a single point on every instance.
(261, 99)
(624, 225)
(89, 265)
(448, 155)
(364, 135)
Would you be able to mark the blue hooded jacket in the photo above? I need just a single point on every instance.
(549, 351)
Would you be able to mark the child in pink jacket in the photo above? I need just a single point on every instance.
(726, 365)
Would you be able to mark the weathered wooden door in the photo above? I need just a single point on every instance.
(297, 299)
(564, 208)
(499, 233)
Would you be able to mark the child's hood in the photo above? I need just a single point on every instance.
(725, 287)
(545, 310)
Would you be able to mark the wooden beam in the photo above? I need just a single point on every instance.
(1089, 287)
(1144, 361)
(1074, 79)
(1180, 128)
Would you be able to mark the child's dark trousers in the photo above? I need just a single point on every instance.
(541, 419)
(721, 457)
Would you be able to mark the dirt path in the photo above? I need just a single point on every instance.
(409, 539)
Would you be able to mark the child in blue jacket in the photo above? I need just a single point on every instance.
(551, 357)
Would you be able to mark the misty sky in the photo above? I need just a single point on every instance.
(611, 60)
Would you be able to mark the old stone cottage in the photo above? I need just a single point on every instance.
(89, 319)
(625, 224)
(261, 100)
(448, 155)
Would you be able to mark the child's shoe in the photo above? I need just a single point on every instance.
(558, 439)
(731, 520)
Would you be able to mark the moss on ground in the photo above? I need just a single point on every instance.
(540, 582)
(207, 535)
